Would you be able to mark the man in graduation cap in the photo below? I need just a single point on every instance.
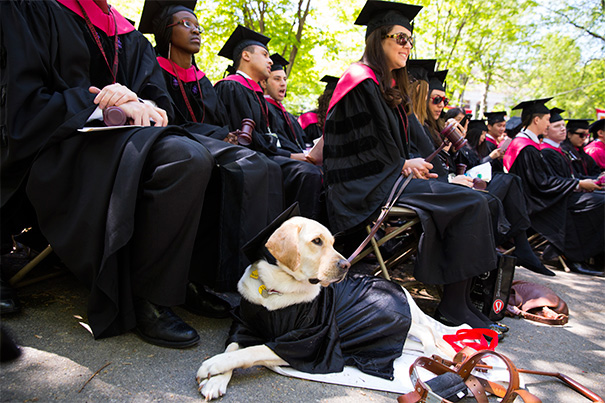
(496, 127)
(584, 165)
(554, 155)
(121, 208)
(566, 211)
(243, 97)
(289, 132)
(245, 194)
(312, 122)
(596, 148)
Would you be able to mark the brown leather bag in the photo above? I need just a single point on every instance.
(536, 302)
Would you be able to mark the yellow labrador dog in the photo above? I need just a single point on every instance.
(305, 261)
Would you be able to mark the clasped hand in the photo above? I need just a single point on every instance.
(419, 168)
(139, 113)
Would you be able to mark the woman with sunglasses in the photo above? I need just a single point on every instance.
(367, 148)
(584, 166)
(241, 201)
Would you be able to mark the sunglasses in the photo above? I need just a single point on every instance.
(186, 24)
(581, 134)
(437, 99)
(401, 39)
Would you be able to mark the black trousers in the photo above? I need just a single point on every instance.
(168, 210)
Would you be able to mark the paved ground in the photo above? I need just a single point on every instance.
(60, 356)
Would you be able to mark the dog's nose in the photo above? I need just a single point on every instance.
(344, 264)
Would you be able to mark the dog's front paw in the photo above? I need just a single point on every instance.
(214, 387)
(213, 366)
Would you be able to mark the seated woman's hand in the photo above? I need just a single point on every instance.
(462, 180)
(497, 153)
(419, 168)
(589, 185)
(112, 95)
(458, 127)
(142, 114)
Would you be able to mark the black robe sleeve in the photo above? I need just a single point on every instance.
(288, 139)
(542, 189)
(241, 103)
(364, 152)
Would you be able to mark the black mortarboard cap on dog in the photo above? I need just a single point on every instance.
(495, 117)
(421, 69)
(575, 124)
(330, 81)
(155, 9)
(279, 63)
(240, 39)
(255, 248)
(555, 114)
(376, 14)
(528, 108)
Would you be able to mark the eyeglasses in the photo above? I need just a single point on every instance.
(437, 99)
(186, 24)
(581, 134)
(401, 38)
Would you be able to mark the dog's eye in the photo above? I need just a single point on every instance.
(317, 241)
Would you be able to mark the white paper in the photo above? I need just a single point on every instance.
(483, 171)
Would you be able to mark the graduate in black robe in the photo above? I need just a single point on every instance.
(243, 97)
(247, 194)
(584, 166)
(121, 208)
(283, 123)
(312, 122)
(366, 149)
(566, 211)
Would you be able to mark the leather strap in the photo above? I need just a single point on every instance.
(555, 319)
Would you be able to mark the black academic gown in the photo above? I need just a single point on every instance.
(289, 132)
(244, 198)
(571, 221)
(302, 182)
(497, 165)
(91, 191)
(309, 124)
(365, 148)
(361, 321)
(583, 165)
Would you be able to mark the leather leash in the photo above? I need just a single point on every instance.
(385, 211)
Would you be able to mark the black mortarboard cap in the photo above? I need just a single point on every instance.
(495, 117)
(421, 69)
(376, 14)
(240, 39)
(575, 124)
(555, 114)
(255, 248)
(596, 126)
(153, 9)
(513, 124)
(330, 81)
(477, 124)
(437, 80)
(534, 106)
(279, 63)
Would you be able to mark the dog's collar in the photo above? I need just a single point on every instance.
(269, 257)
(263, 290)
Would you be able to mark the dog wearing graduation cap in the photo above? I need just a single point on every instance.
(300, 308)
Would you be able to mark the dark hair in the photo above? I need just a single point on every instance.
(452, 113)
(434, 126)
(529, 119)
(238, 59)
(473, 136)
(323, 102)
(375, 58)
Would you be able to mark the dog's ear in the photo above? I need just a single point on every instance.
(283, 245)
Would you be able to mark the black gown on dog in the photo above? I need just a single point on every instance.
(361, 321)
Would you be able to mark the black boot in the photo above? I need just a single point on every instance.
(526, 257)
(159, 325)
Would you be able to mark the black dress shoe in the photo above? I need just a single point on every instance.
(580, 268)
(9, 302)
(201, 302)
(540, 269)
(159, 325)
